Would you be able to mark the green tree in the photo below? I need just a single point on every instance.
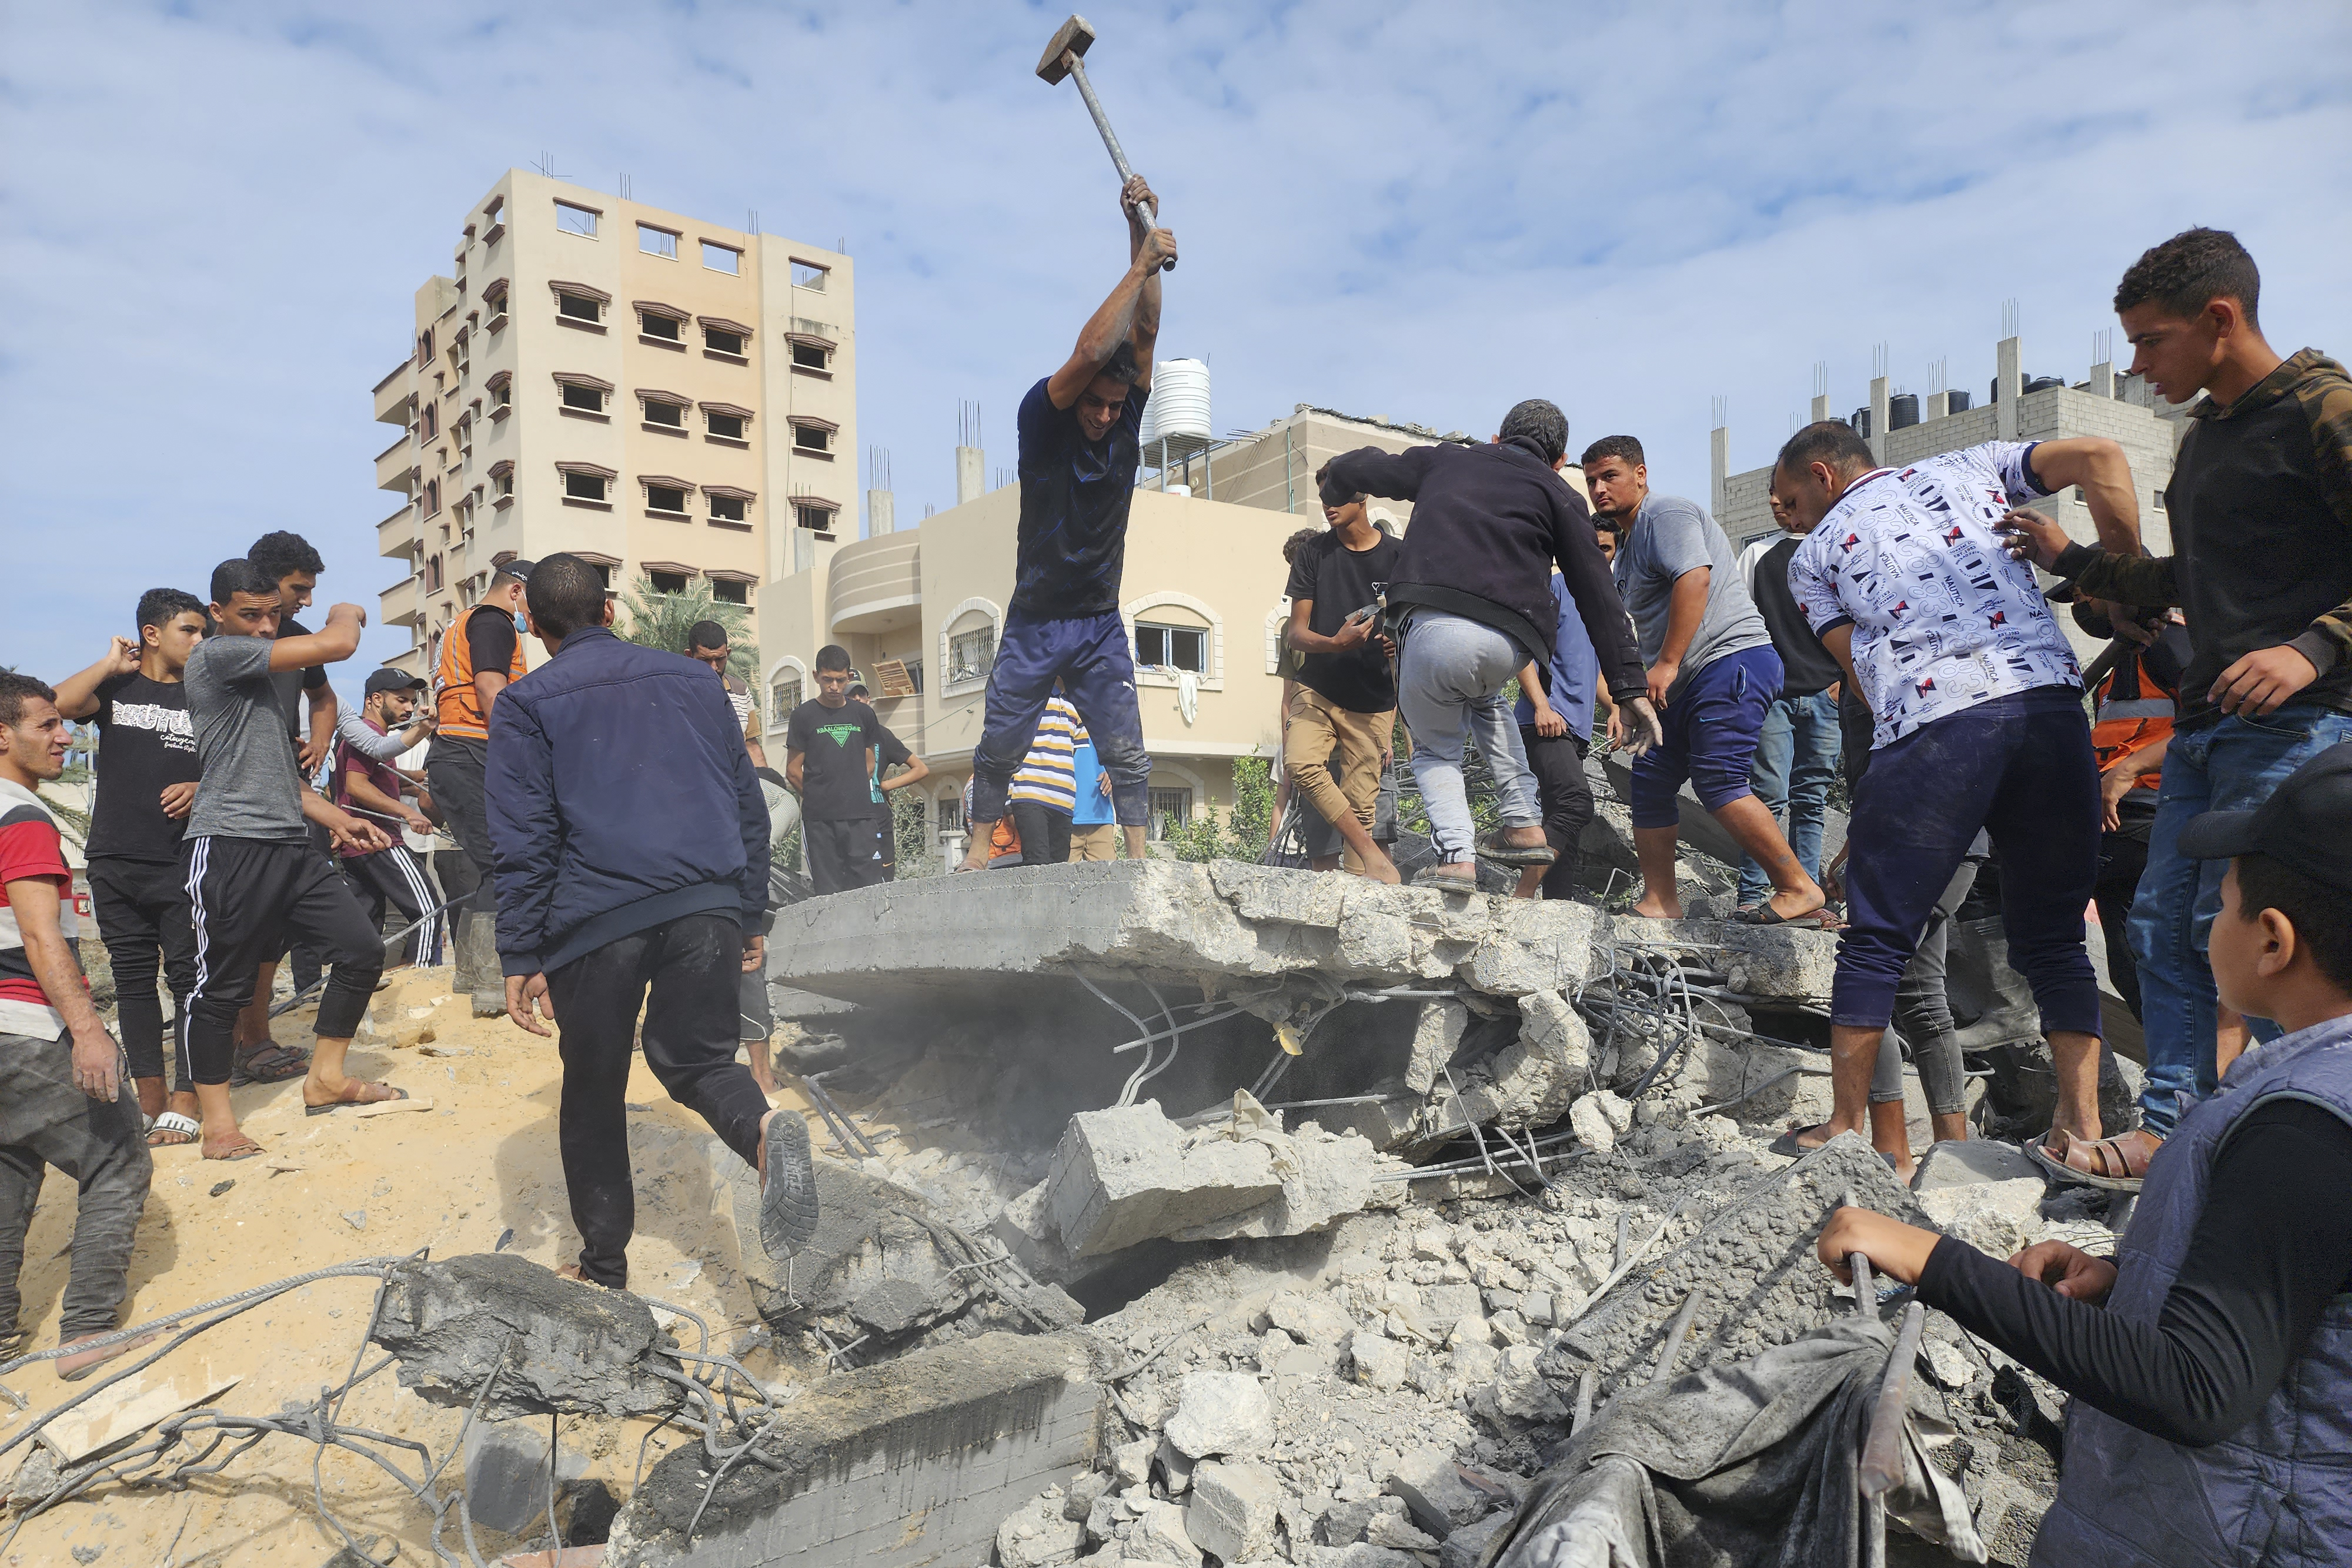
(663, 619)
(1242, 833)
(918, 855)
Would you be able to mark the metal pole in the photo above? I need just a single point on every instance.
(1111, 140)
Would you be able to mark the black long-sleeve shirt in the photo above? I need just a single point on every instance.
(2272, 1248)
(1488, 523)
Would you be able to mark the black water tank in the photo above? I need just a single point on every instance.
(1958, 405)
(1903, 411)
(2042, 383)
(1861, 422)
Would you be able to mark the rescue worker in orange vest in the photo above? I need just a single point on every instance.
(2131, 724)
(479, 656)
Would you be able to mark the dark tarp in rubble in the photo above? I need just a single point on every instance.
(1746, 1465)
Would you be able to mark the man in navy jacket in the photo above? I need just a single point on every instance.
(630, 841)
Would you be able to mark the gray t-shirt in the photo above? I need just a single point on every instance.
(1670, 537)
(251, 786)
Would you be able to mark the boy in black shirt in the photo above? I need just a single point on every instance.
(147, 781)
(829, 745)
(1345, 700)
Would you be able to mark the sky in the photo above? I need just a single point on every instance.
(212, 217)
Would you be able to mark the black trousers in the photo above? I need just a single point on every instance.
(309, 962)
(143, 911)
(247, 896)
(841, 854)
(1565, 795)
(453, 772)
(2121, 860)
(396, 877)
(686, 977)
(1045, 833)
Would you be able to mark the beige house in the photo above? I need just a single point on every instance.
(672, 398)
(920, 610)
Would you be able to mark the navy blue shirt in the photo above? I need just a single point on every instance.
(1074, 502)
(1570, 668)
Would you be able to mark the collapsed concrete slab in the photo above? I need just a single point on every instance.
(556, 1345)
(1751, 1265)
(911, 1463)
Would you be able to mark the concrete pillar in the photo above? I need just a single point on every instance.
(970, 485)
(881, 512)
(1878, 418)
(2102, 380)
(1821, 410)
(2008, 386)
(1718, 464)
(1934, 406)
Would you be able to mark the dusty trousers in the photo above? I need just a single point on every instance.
(45, 1121)
(686, 977)
(1318, 729)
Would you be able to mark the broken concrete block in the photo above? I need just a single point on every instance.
(1221, 1414)
(1618, 1112)
(1591, 1125)
(1535, 1307)
(1317, 1320)
(1440, 1493)
(1131, 1462)
(1437, 1035)
(1531, 1080)
(1474, 1362)
(1324, 1177)
(1231, 1516)
(1546, 946)
(1038, 1536)
(1172, 1468)
(1158, 1537)
(1786, 963)
(1519, 1388)
(1079, 1497)
(1466, 1547)
(1379, 1362)
(1125, 1176)
(1971, 1162)
(957, 1435)
(507, 1476)
(556, 1345)
(1346, 1522)
(1395, 1532)
(1110, 1514)
(2001, 1217)
(1752, 1263)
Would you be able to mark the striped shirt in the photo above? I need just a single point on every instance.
(1048, 775)
(30, 850)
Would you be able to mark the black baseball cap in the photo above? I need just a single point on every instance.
(2305, 825)
(388, 679)
(517, 568)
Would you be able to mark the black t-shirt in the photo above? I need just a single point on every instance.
(1806, 666)
(1074, 495)
(292, 684)
(1341, 581)
(832, 741)
(490, 639)
(889, 752)
(145, 743)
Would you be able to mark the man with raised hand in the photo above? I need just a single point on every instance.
(1081, 439)
(62, 1098)
(147, 772)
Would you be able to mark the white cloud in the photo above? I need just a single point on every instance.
(219, 214)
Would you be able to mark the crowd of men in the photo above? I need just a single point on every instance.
(616, 818)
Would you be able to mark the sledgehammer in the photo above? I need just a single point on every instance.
(1063, 57)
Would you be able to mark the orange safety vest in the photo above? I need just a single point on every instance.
(2134, 712)
(456, 705)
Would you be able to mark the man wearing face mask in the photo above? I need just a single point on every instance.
(479, 656)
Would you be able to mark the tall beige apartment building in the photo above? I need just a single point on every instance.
(674, 400)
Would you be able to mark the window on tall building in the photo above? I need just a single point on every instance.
(575, 220)
(432, 574)
(1170, 810)
(665, 409)
(580, 484)
(656, 242)
(783, 696)
(816, 516)
(730, 591)
(432, 497)
(808, 275)
(428, 421)
(723, 340)
(666, 327)
(811, 354)
(1176, 647)
(579, 307)
(971, 653)
(728, 426)
(808, 435)
(666, 582)
(724, 258)
(726, 509)
(502, 482)
(581, 398)
(668, 499)
(494, 300)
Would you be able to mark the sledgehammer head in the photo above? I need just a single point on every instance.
(1075, 38)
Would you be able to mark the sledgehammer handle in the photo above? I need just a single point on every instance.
(1111, 140)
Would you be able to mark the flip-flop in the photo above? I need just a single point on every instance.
(1786, 1146)
(178, 1127)
(1765, 914)
(2066, 1175)
(348, 1104)
(270, 1064)
(245, 1150)
(1430, 876)
(788, 1190)
(112, 1353)
(1492, 847)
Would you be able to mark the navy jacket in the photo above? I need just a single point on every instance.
(620, 796)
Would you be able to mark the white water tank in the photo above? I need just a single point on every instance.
(1179, 405)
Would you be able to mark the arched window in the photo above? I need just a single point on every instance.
(968, 645)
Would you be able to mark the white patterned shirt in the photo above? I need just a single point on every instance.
(1943, 619)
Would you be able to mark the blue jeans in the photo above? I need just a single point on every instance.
(1796, 757)
(2230, 765)
(1450, 677)
(1090, 656)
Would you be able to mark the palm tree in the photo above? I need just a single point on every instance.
(663, 619)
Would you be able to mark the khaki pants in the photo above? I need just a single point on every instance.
(1319, 727)
(1099, 842)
